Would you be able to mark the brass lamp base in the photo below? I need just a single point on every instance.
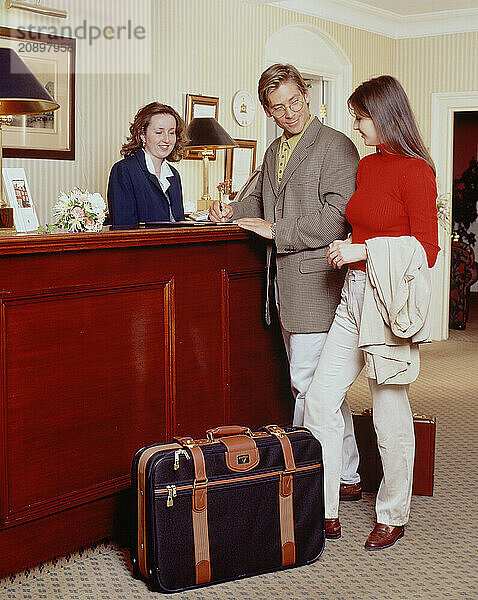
(6, 217)
(204, 202)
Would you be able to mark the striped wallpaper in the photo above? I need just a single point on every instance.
(428, 65)
(214, 47)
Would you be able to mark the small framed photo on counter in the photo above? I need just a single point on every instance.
(20, 199)
(240, 163)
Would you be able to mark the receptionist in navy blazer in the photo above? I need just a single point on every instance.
(144, 186)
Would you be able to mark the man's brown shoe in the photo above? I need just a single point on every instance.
(332, 529)
(383, 536)
(351, 491)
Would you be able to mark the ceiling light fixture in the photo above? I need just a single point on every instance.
(37, 7)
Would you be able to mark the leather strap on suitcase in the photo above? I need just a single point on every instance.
(242, 455)
(199, 512)
(286, 496)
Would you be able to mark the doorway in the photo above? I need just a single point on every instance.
(444, 105)
(464, 269)
(465, 147)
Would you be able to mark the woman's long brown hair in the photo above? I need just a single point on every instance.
(384, 100)
(140, 124)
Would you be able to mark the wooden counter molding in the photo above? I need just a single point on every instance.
(110, 342)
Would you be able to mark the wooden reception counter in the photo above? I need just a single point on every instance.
(110, 342)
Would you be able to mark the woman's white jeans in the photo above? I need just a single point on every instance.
(303, 352)
(340, 364)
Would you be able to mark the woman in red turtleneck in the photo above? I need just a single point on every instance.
(395, 197)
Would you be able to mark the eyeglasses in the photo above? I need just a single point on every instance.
(295, 106)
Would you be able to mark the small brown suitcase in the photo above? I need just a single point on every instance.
(370, 468)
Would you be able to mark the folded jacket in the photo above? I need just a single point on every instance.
(395, 314)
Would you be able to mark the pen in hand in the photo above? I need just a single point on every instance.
(224, 188)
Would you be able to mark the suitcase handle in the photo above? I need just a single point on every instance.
(226, 430)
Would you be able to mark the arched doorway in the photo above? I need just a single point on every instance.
(318, 57)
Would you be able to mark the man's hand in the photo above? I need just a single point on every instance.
(343, 252)
(216, 215)
(259, 226)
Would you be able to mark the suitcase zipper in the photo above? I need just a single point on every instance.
(172, 490)
(171, 494)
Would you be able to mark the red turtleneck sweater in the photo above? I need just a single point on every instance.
(395, 196)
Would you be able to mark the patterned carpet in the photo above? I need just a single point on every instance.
(436, 559)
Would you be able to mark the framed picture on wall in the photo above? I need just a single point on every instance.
(240, 163)
(200, 106)
(52, 60)
(20, 199)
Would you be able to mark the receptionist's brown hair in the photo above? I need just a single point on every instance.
(141, 121)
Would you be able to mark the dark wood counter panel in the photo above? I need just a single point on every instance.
(32, 243)
(110, 342)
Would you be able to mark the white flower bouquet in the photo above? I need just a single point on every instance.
(78, 210)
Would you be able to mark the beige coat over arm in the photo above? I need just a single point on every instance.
(309, 209)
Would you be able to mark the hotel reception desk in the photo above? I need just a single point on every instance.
(110, 342)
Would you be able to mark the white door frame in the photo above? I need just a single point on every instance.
(444, 105)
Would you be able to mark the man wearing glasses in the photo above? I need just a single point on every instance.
(308, 176)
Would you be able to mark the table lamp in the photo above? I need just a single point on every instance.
(206, 135)
(20, 94)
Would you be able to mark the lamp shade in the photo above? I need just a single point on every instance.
(20, 91)
(205, 132)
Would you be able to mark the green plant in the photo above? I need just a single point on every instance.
(465, 197)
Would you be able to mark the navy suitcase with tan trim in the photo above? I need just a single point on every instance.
(235, 504)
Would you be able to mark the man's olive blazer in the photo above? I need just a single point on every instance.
(309, 209)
